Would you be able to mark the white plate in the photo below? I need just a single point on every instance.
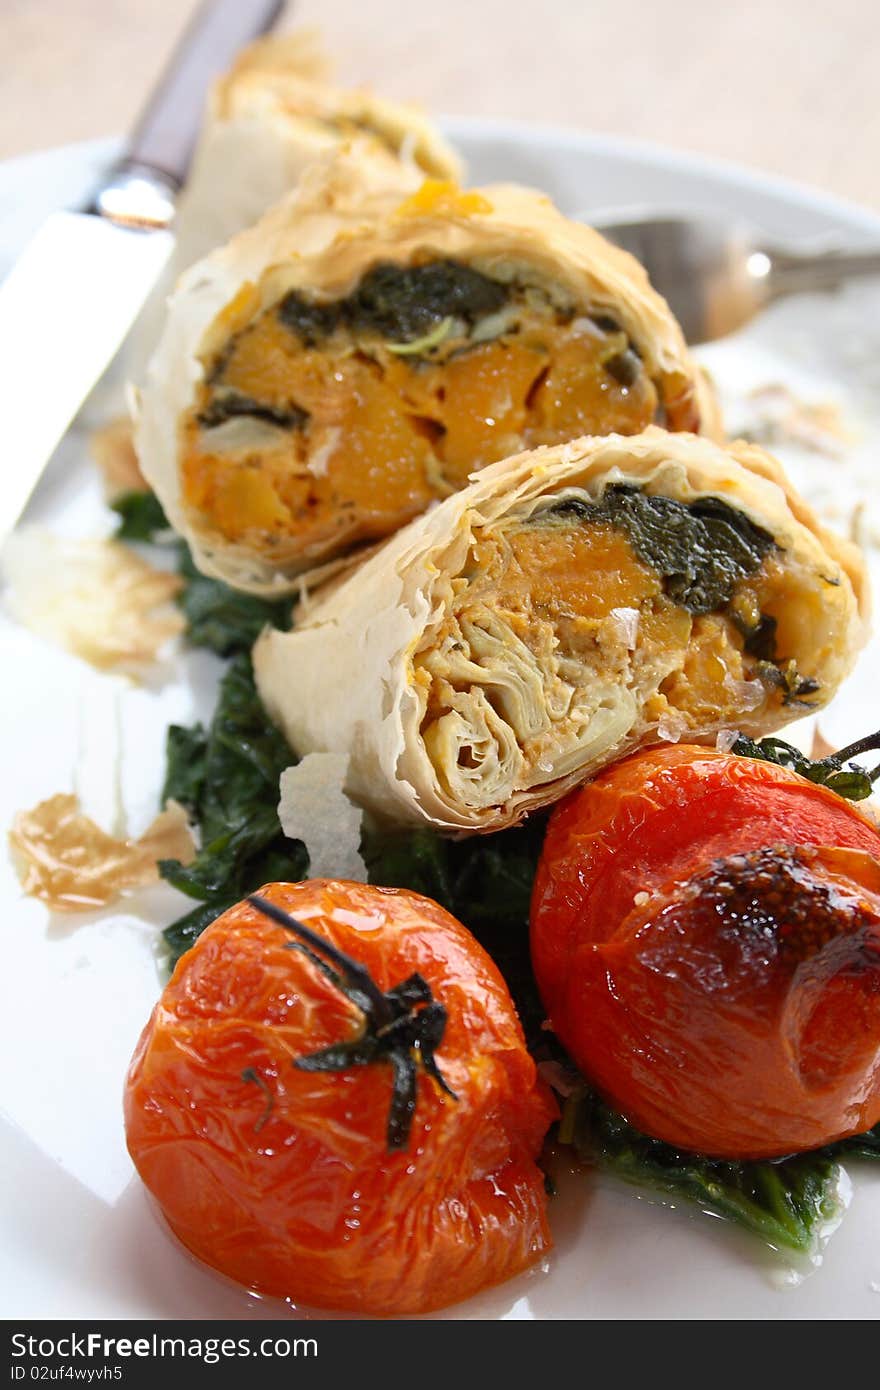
(80, 1238)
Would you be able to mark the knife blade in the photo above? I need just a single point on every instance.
(75, 290)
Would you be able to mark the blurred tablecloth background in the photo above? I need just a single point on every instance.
(789, 86)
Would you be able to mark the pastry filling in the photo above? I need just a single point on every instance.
(322, 425)
(579, 626)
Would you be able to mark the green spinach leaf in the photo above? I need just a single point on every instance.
(858, 1146)
(224, 619)
(186, 752)
(228, 779)
(218, 617)
(785, 1203)
(141, 516)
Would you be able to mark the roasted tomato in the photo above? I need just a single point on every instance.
(706, 939)
(269, 1155)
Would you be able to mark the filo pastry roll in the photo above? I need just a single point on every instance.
(355, 356)
(572, 604)
(268, 119)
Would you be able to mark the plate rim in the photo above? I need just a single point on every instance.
(630, 149)
(636, 149)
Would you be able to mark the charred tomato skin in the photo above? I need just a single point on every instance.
(287, 1185)
(705, 933)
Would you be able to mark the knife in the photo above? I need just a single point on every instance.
(74, 292)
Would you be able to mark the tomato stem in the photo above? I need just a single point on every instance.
(853, 782)
(402, 1027)
(357, 975)
(868, 744)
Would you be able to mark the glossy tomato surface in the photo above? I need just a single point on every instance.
(286, 1184)
(706, 939)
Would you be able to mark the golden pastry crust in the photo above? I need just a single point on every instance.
(348, 216)
(845, 552)
(285, 82)
(369, 667)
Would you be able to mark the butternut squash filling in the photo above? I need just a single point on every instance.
(583, 626)
(321, 426)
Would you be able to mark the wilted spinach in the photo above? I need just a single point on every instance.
(227, 777)
(141, 516)
(785, 1203)
(223, 619)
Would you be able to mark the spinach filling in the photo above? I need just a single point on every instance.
(760, 635)
(623, 366)
(702, 549)
(231, 405)
(411, 311)
(399, 303)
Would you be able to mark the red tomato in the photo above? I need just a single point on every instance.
(706, 939)
(285, 1183)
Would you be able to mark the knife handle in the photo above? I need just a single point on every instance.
(165, 134)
